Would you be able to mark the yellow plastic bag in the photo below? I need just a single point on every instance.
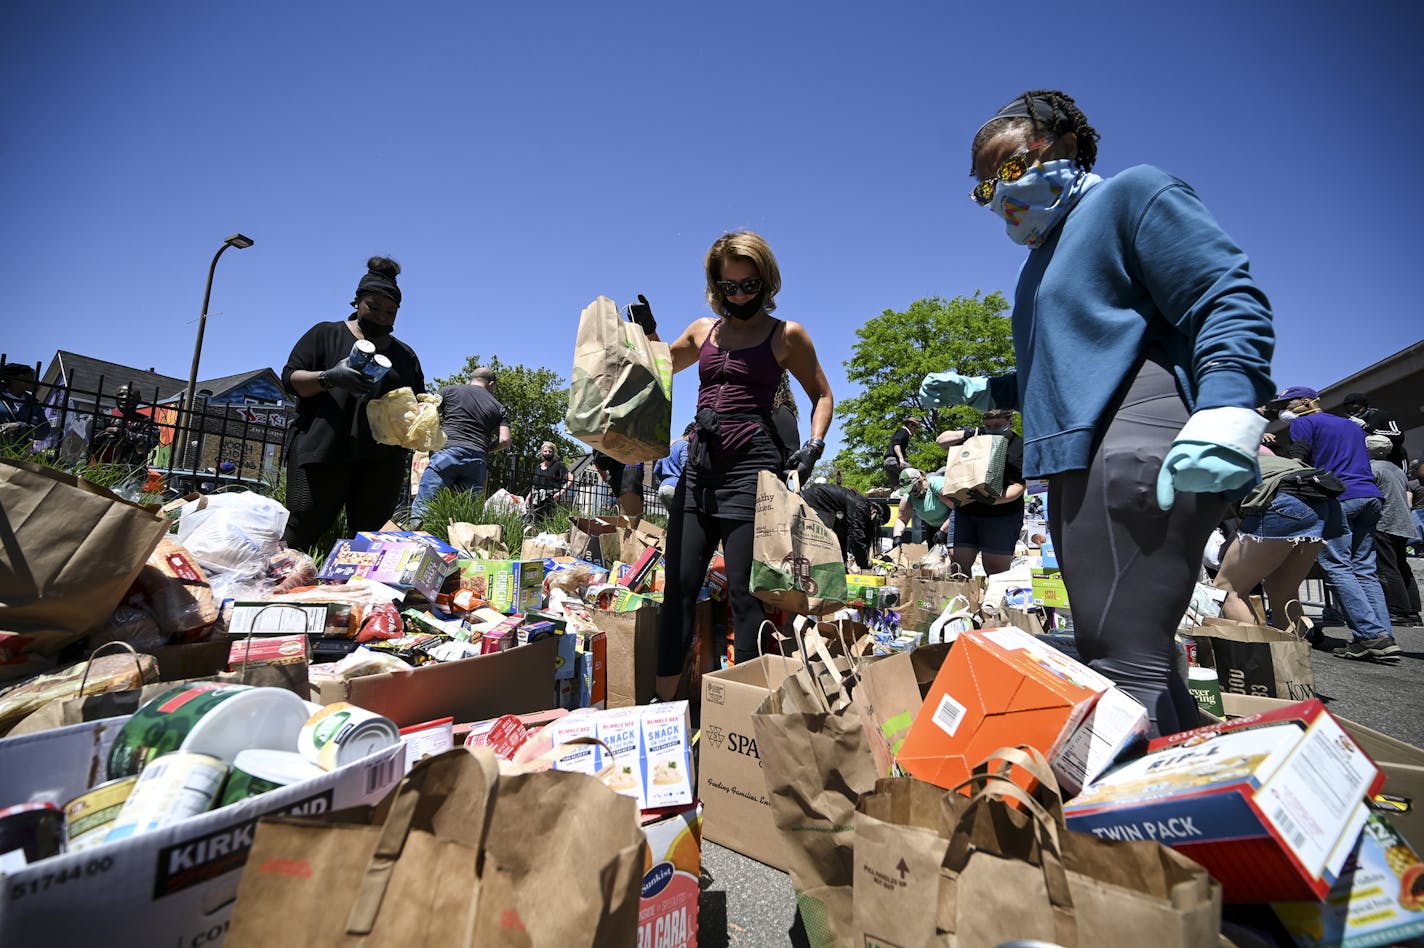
(401, 417)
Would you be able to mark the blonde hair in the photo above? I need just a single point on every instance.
(749, 246)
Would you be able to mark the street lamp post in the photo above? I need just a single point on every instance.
(241, 243)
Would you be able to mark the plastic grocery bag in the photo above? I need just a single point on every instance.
(234, 532)
(620, 397)
(403, 418)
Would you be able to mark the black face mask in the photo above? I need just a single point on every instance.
(372, 330)
(744, 310)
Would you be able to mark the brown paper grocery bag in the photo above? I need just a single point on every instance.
(594, 539)
(797, 564)
(816, 763)
(69, 551)
(925, 598)
(889, 695)
(635, 536)
(1005, 867)
(632, 642)
(620, 391)
(1256, 659)
(457, 855)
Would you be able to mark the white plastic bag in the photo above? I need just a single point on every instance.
(234, 532)
(502, 501)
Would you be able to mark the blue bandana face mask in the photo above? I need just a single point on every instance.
(1035, 204)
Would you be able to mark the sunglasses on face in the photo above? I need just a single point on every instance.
(748, 287)
(1011, 169)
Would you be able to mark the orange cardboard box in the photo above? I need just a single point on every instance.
(997, 688)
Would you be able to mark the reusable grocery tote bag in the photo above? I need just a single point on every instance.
(1256, 659)
(457, 855)
(620, 396)
(796, 560)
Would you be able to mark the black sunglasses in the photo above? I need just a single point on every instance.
(749, 287)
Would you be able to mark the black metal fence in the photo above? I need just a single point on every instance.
(589, 493)
(162, 447)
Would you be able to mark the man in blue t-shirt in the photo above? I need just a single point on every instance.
(1336, 444)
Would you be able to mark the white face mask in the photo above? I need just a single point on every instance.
(1288, 415)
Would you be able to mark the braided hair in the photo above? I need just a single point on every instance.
(1065, 117)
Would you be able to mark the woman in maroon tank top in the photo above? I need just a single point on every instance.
(740, 356)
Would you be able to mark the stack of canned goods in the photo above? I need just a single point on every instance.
(364, 357)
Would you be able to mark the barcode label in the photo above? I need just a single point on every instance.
(380, 776)
(1294, 834)
(948, 715)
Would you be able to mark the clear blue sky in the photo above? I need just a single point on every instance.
(520, 159)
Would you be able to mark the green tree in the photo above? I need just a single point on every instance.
(893, 353)
(537, 400)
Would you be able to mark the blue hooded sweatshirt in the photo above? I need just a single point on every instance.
(1138, 263)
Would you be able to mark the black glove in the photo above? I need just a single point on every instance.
(804, 460)
(343, 376)
(896, 541)
(642, 314)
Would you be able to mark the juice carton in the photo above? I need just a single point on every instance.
(672, 867)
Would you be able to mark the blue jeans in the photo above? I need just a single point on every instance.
(1349, 565)
(1418, 532)
(457, 468)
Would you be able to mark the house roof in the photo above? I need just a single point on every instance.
(87, 375)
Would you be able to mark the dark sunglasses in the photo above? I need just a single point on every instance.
(1013, 168)
(749, 287)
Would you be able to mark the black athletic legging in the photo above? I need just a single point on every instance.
(1128, 566)
(369, 491)
(691, 541)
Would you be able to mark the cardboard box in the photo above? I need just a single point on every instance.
(1000, 688)
(405, 564)
(1273, 811)
(1049, 590)
(667, 911)
(508, 585)
(173, 886)
(591, 670)
(471, 689)
(1378, 900)
(736, 810)
(288, 618)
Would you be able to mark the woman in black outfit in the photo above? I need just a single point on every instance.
(332, 459)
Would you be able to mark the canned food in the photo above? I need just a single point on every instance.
(341, 733)
(258, 771)
(89, 816)
(377, 368)
(1206, 689)
(170, 789)
(361, 354)
(34, 829)
(208, 718)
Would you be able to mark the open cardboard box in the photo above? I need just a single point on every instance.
(514, 681)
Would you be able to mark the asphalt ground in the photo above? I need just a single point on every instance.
(746, 904)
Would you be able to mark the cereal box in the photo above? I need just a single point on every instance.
(508, 585)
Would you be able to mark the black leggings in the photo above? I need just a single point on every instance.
(1128, 566)
(370, 491)
(691, 541)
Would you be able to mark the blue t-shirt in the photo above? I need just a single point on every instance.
(670, 467)
(1337, 445)
(1138, 262)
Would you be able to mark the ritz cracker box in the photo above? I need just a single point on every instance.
(173, 886)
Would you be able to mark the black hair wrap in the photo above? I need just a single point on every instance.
(374, 282)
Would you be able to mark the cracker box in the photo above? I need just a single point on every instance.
(651, 757)
(667, 764)
(1378, 899)
(672, 868)
(427, 739)
(508, 585)
(1273, 812)
(1049, 590)
(1003, 687)
(448, 554)
(405, 564)
(621, 731)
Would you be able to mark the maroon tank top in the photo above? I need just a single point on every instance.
(737, 382)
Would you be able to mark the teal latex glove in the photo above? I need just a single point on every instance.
(1201, 467)
(947, 389)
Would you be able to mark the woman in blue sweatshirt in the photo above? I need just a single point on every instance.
(1142, 347)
